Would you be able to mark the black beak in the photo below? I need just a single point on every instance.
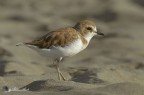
(100, 33)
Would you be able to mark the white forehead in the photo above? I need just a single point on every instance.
(94, 28)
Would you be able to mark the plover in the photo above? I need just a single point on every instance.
(64, 42)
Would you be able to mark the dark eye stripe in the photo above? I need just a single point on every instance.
(89, 28)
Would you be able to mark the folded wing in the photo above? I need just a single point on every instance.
(61, 37)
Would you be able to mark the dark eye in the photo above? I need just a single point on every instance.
(89, 28)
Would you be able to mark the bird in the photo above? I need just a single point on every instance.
(64, 42)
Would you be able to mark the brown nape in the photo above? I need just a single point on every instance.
(61, 37)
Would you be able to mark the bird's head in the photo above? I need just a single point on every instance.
(87, 29)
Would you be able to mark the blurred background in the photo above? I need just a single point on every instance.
(117, 57)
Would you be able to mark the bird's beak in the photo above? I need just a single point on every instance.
(100, 33)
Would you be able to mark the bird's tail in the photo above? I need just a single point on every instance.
(19, 44)
(26, 44)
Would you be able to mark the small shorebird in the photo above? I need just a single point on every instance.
(64, 42)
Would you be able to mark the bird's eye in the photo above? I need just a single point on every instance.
(89, 28)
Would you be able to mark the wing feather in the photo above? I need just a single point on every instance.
(61, 37)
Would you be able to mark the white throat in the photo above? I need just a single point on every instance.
(89, 36)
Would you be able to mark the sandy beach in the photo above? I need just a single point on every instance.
(111, 65)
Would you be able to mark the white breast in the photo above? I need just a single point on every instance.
(71, 49)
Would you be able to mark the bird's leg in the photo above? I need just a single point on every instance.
(57, 68)
(60, 75)
(58, 71)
